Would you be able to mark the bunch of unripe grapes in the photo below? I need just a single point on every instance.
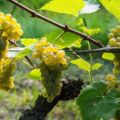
(53, 61)
(112, 81)
(9, 30)
(114, 41)
(7, 67)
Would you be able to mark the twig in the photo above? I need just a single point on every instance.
(26, 57)
(63, 27)
(100, 50)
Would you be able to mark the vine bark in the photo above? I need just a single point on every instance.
(70, 90)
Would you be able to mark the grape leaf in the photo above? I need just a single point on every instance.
(82, 64)
(108, 56)
(96, 66)
(90, 31)
(65, 6)
(95, 104)
(35, 74)
(67, 40)
(23, 53)
(28, 41)
(113, 6)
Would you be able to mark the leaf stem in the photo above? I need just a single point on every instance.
(90, 73)
(14, 8)
(58, 37)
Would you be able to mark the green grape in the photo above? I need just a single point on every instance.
(118, 44)
(118, 39)
(113, 30)
(117, 28)
(110, 35)
(112, 42)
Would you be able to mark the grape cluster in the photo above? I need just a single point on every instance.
(116, 63)
(53, 61)
(50, 55)
(9, 30)
(111, 80)
(114, 41)
(7, 67)
(114, 37)
(51, 81)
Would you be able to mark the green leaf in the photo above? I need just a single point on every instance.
(65, 6)
(96, 66)
(28, 41)
(23, 53)
(95, 104)
(35, 74)
(82, 64)
(91, 31)
(80, 22)
(108, 56)
(113, 6)
(67, 40)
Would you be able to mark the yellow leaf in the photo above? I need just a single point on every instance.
(113, 6)
(108, 56)
(71, 7)
(82, 64)
(91, 31)
(96, 66)
(28, 41)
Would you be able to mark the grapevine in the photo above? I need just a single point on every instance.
(51, 61)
